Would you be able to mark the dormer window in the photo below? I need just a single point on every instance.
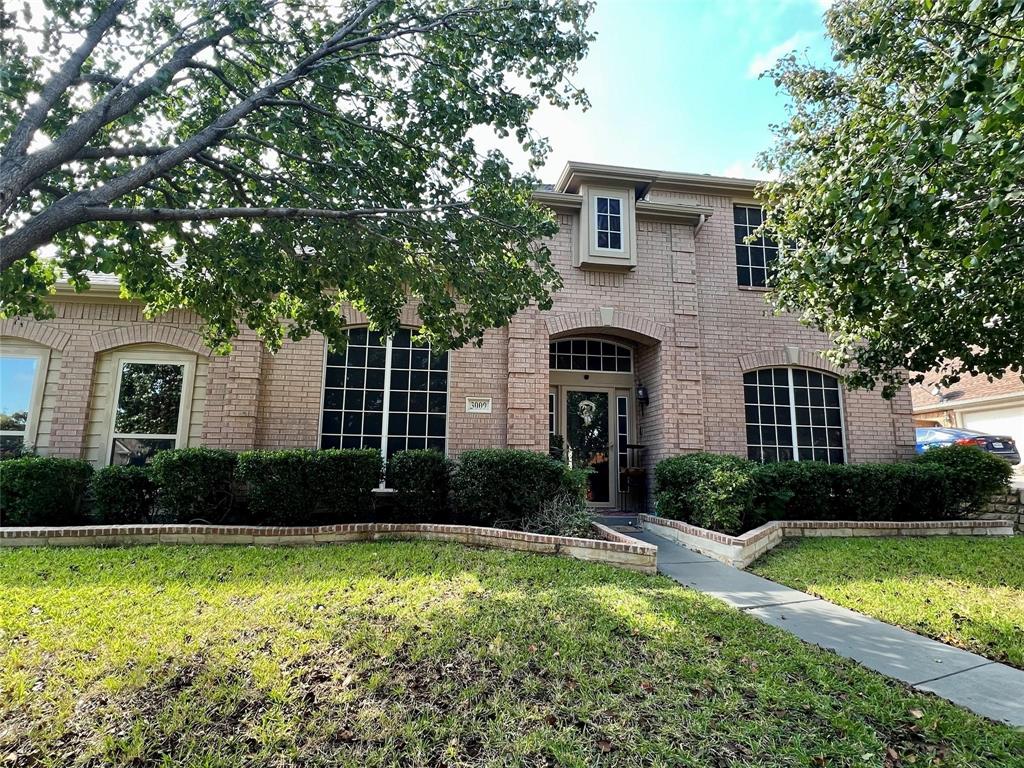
(607, 228)
(608, 222)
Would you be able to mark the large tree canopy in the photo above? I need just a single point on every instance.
(900, 190)
(266, 161)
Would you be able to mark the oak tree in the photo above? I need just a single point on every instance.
(899, 191)
(267, 162)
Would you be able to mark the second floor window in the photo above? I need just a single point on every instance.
(754, 260)
(608, 221)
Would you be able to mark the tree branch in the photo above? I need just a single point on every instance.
(103, 153)
(15, 179)
(151, 215)
(33, 118)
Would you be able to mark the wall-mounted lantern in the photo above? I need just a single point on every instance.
(642, 397)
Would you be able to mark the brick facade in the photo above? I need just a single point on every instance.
(693, 330)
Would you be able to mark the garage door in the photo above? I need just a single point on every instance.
(1001, 421)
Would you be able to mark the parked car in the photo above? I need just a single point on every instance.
(1000, 445)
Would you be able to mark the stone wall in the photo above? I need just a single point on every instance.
(1006, 506)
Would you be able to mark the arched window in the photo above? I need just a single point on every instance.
(590, 355)
(389, 394)
(793, 414)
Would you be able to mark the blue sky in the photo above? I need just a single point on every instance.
(674, 86)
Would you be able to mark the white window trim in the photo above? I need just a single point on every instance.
(791, 388)
(184, 407)
(632, 358)
(35, 405)
(593, 223)
(793, 407)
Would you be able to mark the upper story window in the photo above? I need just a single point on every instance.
(754, 260)
(21, 379)
(793, 414)
(150, 413)
(589, 355)
(388, 394)
(608, 222)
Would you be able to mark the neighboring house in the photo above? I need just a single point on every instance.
(660, 338)
(974, 402)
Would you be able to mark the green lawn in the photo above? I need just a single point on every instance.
(421, 654)
(965, 591)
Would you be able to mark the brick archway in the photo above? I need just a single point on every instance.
(150, 333)
(608, 319)
(40, 333)
(785, 357)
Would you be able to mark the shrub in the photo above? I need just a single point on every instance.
(193, 483)
(122, 495)
(304, 487)
(505, 486)
(564, 515)
(975, 475)
(810, 490)
(706, 489)
(421, 480)
(43, 491)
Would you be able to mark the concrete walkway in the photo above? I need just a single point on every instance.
(986, 687)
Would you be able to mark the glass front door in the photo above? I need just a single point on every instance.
(589, 440)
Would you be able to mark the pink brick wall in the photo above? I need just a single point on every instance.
(694, 331)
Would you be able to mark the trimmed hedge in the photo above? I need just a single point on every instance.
(122, 494)
(809, 490)
(304, 486)
(421, 480)
(710, 490)
(977, 475)
(503, 487)
(193, 484)
(45, 491)
(731, 495)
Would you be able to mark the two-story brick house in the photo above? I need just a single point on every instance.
(660, 337)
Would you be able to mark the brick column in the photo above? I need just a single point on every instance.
(232, 401)
(71, 407)
(682, 365)
(528, 382)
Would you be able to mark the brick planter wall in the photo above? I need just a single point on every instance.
(1006, 506)
(610, 547)
(740, 551)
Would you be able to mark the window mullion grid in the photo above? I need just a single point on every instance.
(792, 415)
(384, 426)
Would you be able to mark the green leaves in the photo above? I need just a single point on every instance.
(360, 107)
(900, 188)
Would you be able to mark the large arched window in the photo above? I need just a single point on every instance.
(793, 414)
(389, 394)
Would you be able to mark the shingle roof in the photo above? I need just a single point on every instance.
(969, 388)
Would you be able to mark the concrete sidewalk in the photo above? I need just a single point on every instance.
(986, 687)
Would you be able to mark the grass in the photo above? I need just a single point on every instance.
(425, 654)
(968, 592)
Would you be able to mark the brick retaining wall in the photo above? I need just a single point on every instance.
(609, 547)
(740, 551)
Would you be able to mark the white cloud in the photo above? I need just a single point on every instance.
(767, 59)
(743, 169)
